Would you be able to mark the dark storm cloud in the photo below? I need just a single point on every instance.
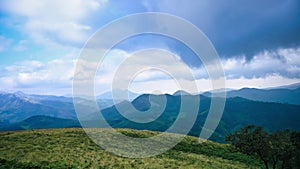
(242, 27)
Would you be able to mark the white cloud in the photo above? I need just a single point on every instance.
(54, 20)
(267, 69)
(261, 82)
(170, 86)
(141, 66)
(55, 76)
(35, 75)
(285, 62)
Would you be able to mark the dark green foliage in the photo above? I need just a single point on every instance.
(273, 149)
(282, 149)
(295, 138)
(15, 164)
(252, 140)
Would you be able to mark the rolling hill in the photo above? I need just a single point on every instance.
(71, 148)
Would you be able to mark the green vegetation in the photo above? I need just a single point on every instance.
(278, 148)
(71, 148)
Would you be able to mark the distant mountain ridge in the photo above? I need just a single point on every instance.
(290, 86)
(281, 95)
(15, 107)
(42, 122)
(18, 106)
(109, 95)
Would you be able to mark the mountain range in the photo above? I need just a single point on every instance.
(238, 112)
(289, 95)
(273, 109)
(18, 106)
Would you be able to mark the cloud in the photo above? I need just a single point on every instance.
(284, 62)
(170, 86)
(143, 65)
(55, 76)
(35, 75)
(239, 28)
(267, 69)
(53, 20)
(233, 28)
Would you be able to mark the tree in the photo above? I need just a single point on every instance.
(253, 140)
(295, 139)
(280, 147)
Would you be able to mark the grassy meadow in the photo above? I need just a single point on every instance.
(71, 148)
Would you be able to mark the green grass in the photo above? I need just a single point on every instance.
(71, 148)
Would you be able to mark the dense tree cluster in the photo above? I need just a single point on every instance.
(278, 149)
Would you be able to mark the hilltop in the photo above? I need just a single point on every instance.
(71, 148)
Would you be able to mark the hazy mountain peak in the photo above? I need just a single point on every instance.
(24, 97)
(180, 92)
(20, 94)
(249, 88)
(290, 87)
(109, 95)
(2, 92)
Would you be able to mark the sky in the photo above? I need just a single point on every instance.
(258, 43)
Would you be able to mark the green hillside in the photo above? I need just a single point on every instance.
(71, 148)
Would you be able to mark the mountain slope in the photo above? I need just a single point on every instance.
(238, 112)
(71, 148)
(291, 86)
(41, 122)
(15, 107)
